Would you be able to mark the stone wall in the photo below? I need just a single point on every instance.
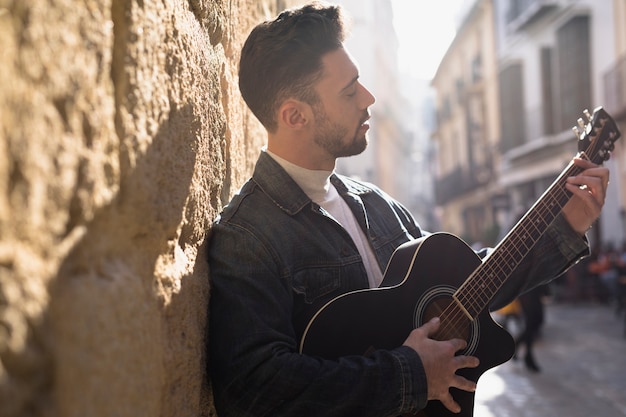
(122, 134)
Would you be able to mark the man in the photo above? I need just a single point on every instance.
(297, 235)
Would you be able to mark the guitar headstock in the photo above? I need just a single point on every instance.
(597, 137)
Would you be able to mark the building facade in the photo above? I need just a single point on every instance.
(615, 104)
(542, 62)
(551, 56)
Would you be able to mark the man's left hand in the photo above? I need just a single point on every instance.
(589, 189)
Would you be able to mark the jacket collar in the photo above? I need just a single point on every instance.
(283, 190)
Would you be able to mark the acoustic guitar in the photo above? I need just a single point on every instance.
(440, 275)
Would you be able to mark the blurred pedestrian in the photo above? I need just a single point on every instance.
(510, 314)
(532, 308)
(599, 274)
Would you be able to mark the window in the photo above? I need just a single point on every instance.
(574, 70)
(512, 132)
(547, 93)
(477, 68)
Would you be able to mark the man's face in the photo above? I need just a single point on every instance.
(342, 112)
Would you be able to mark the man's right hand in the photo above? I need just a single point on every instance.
(441, 363)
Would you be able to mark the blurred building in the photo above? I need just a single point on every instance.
(468, 131)
(505, 118)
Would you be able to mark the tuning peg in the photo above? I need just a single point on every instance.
(607, 145)
(581, 123)
(587, 114)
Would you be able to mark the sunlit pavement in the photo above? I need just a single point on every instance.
(582, 355)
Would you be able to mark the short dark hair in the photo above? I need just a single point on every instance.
(282, 58)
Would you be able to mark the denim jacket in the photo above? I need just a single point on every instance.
(276, 257)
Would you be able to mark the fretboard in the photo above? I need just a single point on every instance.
(479, 289)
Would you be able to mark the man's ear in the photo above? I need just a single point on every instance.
(294, 114)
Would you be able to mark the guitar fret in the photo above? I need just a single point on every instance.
(517, 255)
(527, 240)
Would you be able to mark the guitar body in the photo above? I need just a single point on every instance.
(419, 282)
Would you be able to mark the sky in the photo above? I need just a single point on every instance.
(425, 29)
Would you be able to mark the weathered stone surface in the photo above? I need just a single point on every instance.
(122, 134)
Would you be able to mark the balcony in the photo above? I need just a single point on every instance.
(615, 89)
(461, 181)
(522, 13)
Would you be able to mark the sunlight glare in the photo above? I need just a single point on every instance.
(490, 385)
(425, 29)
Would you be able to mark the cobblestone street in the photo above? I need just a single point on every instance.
(582, 355)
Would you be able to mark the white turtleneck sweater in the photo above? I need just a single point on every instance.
(316, 184)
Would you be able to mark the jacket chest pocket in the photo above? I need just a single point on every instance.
(313, 283)
(317, 283)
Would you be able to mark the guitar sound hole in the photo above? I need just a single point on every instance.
(454, 324)
(439, 302)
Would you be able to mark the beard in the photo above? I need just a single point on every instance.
(330, 136)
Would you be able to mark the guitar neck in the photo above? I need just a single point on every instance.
(479, 289)
(595, 142)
